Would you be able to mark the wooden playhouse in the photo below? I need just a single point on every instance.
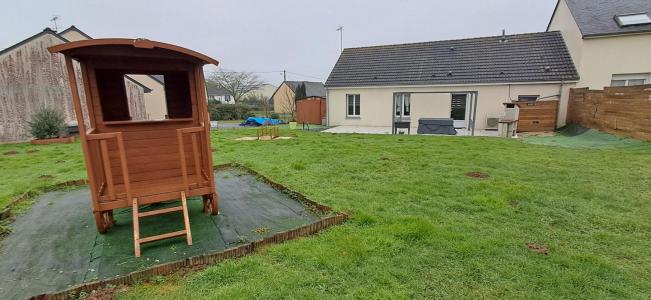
(137, 161)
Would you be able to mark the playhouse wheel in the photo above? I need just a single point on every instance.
(104, 220)
(210, 204)
(99, 221)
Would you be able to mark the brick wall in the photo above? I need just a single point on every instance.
(619, 110)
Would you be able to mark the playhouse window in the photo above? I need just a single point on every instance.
(140, 97)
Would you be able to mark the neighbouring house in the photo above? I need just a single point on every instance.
(219, 95)
(467, 80)
(264, 92)
(283, 97)
(588, 43)
(32, 78)
(609, 41)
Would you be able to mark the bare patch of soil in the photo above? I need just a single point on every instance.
(32, 151)
(261, 230)
(514, 203)
(10, 153)
(479, 175)
(540, 249)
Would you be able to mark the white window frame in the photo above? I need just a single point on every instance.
(399, 99)
(633, 19)
(357, 106)
(627, 78)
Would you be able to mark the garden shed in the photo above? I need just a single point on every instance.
(311, 110)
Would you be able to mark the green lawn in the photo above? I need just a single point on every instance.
(420, 227)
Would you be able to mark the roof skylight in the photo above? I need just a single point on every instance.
(633, 19)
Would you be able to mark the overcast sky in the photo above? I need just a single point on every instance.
(269, 36)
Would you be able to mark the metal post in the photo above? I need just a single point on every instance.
(393, 115)
(474, 112)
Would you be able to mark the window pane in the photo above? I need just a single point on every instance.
(398, 99)
(633, 19)
(407, 104)
(357, 105)
(350, 102)
(618, 83)
(527, 97)
(636, 82)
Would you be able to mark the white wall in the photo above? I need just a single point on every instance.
(605, 56)
(598, 58)
(564, 22)
(376, 103)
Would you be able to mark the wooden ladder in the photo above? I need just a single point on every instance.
(137, 240)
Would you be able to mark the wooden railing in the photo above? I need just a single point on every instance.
(106, 162)
(193, 131)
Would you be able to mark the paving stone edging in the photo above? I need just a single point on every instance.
(202, 261)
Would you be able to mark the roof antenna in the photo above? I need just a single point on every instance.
(341, 37)
(503, 38)
(54, 19)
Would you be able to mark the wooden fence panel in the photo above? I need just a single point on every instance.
(623, 111)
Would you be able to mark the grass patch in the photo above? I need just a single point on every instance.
(548, 222)
(33, 168)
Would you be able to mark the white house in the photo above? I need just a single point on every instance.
(467, 80)
(588, 43)
(610, 41)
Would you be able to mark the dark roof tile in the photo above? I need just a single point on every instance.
(521, 58)
(597, 17)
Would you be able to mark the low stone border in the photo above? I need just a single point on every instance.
(202, 261)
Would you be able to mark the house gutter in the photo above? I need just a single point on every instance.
(327, 107)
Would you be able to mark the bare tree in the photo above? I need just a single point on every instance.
(289, 106)
(237, 84)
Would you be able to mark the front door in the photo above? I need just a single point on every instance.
(458, 110)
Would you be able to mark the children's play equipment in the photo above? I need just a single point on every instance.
(135, 161)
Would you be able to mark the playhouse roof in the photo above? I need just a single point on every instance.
(68, 48)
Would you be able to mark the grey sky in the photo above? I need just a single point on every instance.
(266, 36)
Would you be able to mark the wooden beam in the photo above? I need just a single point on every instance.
(163, 236)
(136, 227)
(186, 218)
(200, 83)
(184, 168)
(123, 164)
(107, 168)
(160, 211)
(76, 101)
(197, 157)
(102, 136)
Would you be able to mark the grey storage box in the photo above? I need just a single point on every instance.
(436, 126)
